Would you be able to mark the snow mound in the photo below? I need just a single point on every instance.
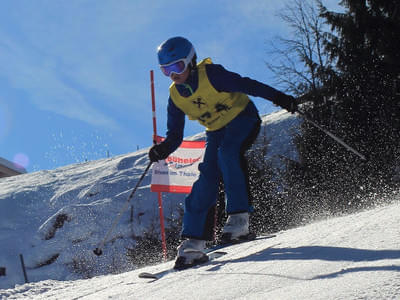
(56, 218)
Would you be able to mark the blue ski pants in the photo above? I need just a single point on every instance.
(224, 158)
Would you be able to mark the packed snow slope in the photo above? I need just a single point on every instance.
(56, 218)
(349, 257)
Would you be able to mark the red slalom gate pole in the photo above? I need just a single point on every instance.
(160, 207)
(164, 242)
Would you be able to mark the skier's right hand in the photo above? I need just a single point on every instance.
(158, 152)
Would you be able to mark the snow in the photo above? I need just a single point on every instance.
(348, 257)
(56, 218)
(65, 213)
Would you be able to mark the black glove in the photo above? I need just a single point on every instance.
(158, 152)
(287, 102)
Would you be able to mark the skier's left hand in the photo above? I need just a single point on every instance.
(287, 102)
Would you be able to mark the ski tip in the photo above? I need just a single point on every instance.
(147, 275)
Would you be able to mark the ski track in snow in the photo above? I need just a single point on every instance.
(350, 257)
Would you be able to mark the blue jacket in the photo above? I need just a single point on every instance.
(223, 81)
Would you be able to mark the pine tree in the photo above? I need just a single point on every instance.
(367, 103)
(359, 102)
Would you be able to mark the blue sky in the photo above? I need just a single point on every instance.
(75, 75)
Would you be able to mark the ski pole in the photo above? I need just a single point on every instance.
(98, 251)
(340, 141)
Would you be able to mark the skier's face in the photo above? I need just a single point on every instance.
(180, 78)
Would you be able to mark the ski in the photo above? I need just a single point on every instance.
(248, 238)
(155, 276)
(212, 253)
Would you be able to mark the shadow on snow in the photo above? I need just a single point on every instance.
(324, 253)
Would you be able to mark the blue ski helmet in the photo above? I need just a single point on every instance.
(174, 49)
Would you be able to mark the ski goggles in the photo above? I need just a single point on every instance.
(178, 66)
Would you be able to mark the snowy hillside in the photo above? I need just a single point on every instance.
(56, 218)
(349, 257)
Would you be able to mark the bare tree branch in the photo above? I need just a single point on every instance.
(302, 65)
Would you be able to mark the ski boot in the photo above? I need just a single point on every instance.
(236, 229)
(190, 253)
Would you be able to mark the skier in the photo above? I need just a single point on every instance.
(217, 99)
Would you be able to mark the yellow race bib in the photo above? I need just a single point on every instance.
(211, 108)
